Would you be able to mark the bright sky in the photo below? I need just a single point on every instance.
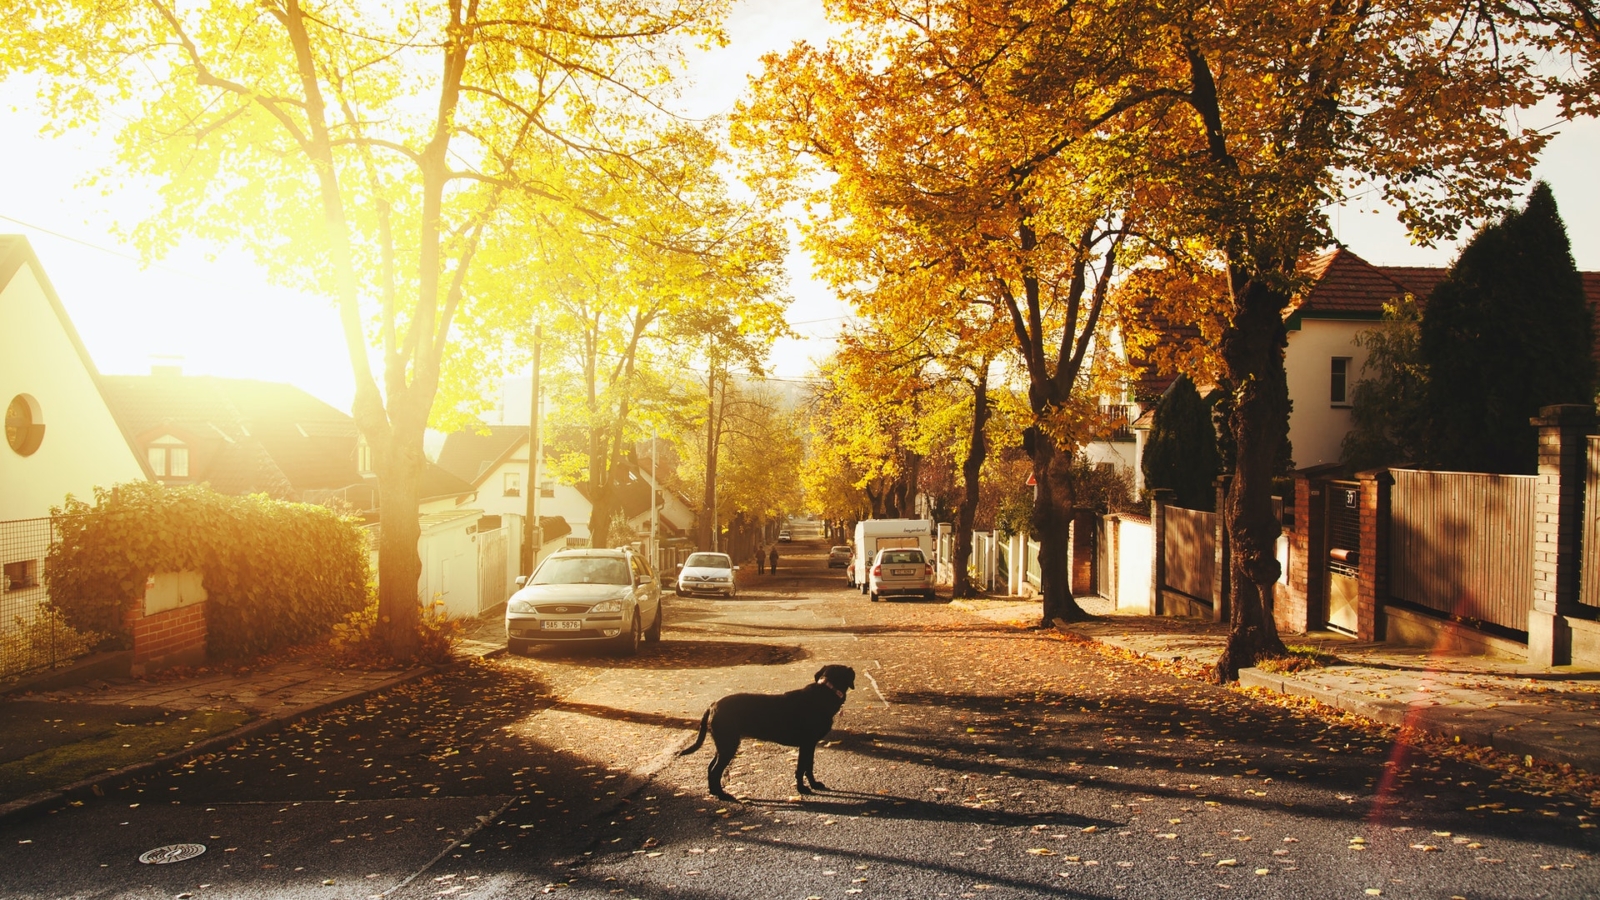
(214, 312)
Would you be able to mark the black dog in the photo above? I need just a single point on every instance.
(796, 719)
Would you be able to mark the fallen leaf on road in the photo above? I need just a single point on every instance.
(1042, 851)
(1227, 863)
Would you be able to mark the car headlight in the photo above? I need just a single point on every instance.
(520, 606)
(607, 606)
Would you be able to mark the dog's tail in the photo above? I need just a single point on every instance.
(699, 739)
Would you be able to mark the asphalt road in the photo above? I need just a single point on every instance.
(973, 760)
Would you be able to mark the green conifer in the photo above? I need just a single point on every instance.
(1507, 332)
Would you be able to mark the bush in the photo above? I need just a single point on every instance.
(276, 573)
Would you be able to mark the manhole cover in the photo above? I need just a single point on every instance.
(171, 853)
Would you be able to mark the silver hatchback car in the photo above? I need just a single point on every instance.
(608, 597)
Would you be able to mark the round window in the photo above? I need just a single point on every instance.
(24, 426)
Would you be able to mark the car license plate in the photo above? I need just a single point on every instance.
(562, 624)
(902, 573)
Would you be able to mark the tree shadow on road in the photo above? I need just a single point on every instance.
(679, 655)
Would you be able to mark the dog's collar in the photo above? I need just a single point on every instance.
(825, 683)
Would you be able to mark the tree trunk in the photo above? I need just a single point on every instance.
(1052, 515)
(971, 469)
(399, 469)
(1252, 350)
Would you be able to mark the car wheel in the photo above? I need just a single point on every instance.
(518, 648)
(628, 643)
(930, 596)
(654, 634)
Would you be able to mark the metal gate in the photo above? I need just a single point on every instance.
(33, 636)
(1343, 588)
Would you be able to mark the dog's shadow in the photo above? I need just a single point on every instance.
(897, 807)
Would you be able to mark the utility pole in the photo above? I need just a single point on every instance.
(655, 500)
(533, 534)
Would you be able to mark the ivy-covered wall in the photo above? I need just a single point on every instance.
(275, 573)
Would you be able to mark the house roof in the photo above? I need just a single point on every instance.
(438, 483)
(554, 527)
(631, 493)
(1343, 285)
(257, 436)
(16, 252)
(469, 455)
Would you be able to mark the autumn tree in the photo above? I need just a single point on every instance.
(365, 153)
(943, 161)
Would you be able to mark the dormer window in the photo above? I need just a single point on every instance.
(169, 457)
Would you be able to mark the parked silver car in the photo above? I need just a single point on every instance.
(599, 596)
(902, 571)
(708, 573)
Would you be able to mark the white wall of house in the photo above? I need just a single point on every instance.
(1116, 453)
(450, 561)
(564, 499)
(1317, 424)
(83, 447)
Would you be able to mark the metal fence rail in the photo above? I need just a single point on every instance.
(32, 635)
(1462, 544)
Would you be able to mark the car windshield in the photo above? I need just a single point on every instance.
(708, 561)
(902, 556)
(583, 570)
(840, 550)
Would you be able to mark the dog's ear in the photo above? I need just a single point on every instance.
(822, 675)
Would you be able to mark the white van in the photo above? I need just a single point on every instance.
(873, 535)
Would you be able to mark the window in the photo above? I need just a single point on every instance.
(1339, 393)
(363, 455)
(24, 426)
(22, 574)
(169, 458)
(547, 488)
(513, 484)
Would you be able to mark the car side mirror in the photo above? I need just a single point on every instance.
(522, 580)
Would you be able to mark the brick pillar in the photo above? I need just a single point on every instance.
(1159, 499)
(1557, 529)
(1308, 556)
(1376, 487)
(1222, 571)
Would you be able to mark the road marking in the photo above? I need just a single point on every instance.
(874, 681)
(466, 835)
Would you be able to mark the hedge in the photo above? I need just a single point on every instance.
(275, 573)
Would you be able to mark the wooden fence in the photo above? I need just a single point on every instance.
(1189, 551)
(1462, 544)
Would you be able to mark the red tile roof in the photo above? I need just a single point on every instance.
(1343, 283)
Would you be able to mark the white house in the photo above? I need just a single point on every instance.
(1344, 297)
(61, 437)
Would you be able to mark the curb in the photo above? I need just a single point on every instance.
(1427, 719)
(95, 785)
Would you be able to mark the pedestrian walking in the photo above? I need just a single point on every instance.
(760, 562)
(772, 559)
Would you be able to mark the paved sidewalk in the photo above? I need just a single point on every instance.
(273, 695)
(1551, 714)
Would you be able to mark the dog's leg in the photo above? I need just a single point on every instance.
(803, 770)
(719, 764)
